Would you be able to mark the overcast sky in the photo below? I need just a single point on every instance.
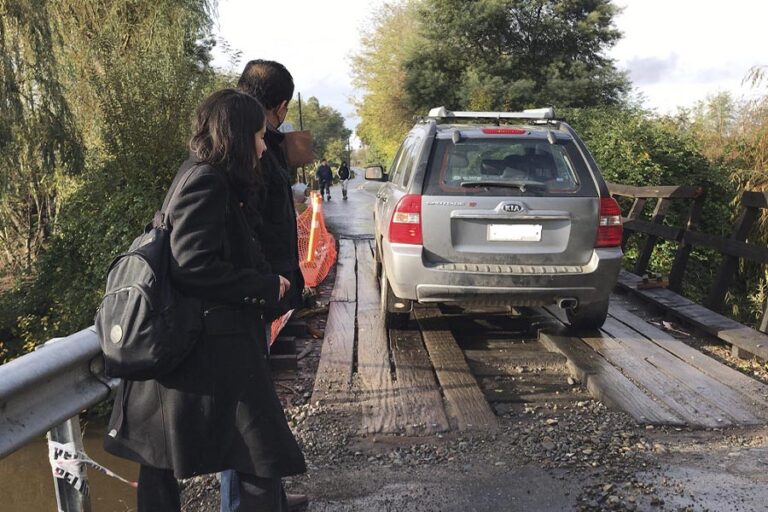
(676, 51)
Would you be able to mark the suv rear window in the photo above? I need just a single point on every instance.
(504, 166)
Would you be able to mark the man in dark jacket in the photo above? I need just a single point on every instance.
(275, 221)
(324, 176)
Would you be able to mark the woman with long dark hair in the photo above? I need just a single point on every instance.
(218, 410)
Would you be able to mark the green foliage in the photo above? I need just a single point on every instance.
(483, 55)
(633, 147)
(329, 136)
(130, 74)
(512, 54)
(378, 70)
(39, 143)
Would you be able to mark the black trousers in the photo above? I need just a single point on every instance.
(159, 492)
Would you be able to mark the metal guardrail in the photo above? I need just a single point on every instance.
(45, 388)
(45, 391)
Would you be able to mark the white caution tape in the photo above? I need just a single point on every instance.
(67, 464)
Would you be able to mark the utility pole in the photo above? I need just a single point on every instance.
(301, 127)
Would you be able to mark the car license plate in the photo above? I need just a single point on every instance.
(514, 233)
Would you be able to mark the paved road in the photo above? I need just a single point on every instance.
(353, 217)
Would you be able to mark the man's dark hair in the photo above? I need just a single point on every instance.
(267, 81)
(223, 134)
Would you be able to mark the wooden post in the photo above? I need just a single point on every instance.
(681, 257)
(645, 255)
(764, 321)
(730, 263)
(634, 213)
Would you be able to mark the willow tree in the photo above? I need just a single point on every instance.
(39, 141)
(102, 92)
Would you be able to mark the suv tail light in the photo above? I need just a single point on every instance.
(609, 230)
(405, 226)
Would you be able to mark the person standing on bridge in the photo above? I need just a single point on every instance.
(274, 218)
(218, 409)
(344, 178)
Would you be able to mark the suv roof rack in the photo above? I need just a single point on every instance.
(533, 113)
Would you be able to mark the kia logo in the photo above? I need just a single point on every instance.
(512, 207)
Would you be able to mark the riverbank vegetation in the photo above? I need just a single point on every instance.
(97, 99)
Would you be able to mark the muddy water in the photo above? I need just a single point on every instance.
(26, 484)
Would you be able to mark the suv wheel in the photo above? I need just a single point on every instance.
(588, 316)
(377, 259)
(392, 319)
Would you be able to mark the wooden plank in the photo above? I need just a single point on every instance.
(283, 362)
(634, 213)
(755, 199)
(377, 389)
(514, 358)
(711, 402)
(731, 331)
(754, 391)
(297, 328)
(714, 300)
(345, 286)
(334, 373)
(650, 228)
(735, 248)
(605, 382)
(648, 192)
(659, 212)
(677, 270)
(548, 388)
(640, 366)
(466, 405)
(420, 399)
(367, 284)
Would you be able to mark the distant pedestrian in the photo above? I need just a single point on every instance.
(344, 178)
(325, 178)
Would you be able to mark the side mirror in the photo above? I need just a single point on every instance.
(375, 173)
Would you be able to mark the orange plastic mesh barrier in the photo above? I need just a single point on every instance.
(317, 247)
(317, 251)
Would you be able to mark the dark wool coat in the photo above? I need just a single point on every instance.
(276, 227)
(218, 410)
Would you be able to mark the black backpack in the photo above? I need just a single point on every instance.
(145, 326)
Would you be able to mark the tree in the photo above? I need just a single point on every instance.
(40, 144)
(378, 71)
(329, 135)
(514, 54)
(102, 93)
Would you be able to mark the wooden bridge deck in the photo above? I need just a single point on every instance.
(419, 380)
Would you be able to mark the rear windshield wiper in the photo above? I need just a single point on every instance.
(522, 185)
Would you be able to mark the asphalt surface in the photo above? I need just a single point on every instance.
(353, 217)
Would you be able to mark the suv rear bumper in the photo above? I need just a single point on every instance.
(411, 279)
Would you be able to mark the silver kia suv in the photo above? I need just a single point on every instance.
(496, 208)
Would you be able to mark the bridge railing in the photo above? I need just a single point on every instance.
(45, 391)
(733, 248)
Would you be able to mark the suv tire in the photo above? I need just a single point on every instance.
(377, 259)
(392, 320)
(588, 316)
